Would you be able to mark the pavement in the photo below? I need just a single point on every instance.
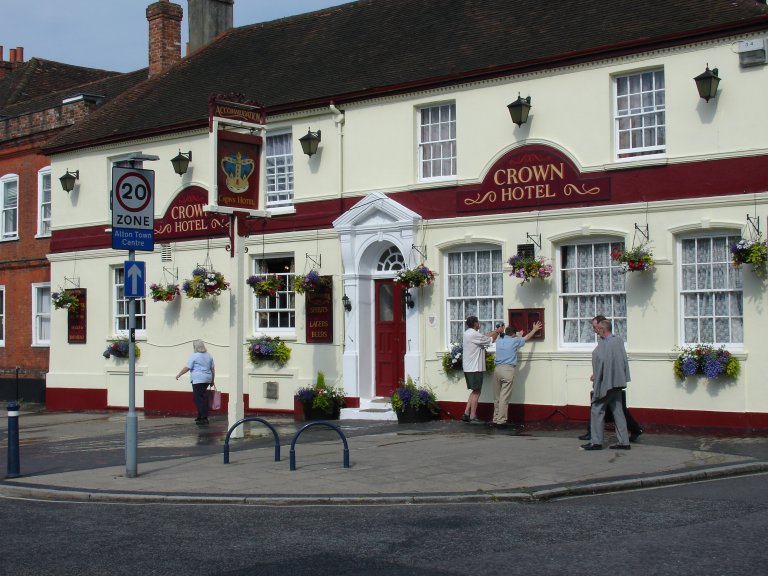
(81, 456)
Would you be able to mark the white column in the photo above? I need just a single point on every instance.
(236, 407)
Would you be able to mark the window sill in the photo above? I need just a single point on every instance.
(281, 210)
(637, 162)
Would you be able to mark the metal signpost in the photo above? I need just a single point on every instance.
(133, 228)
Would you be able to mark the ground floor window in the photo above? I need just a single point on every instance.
(475, 288)
(591, 283)
(711, 307)
(276, 313)
(120, 305)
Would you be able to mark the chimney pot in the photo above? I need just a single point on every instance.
(20, 53)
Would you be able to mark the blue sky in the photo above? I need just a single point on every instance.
(110, 34)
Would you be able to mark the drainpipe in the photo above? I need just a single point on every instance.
(338, 119)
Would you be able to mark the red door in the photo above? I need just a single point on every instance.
(389, 336)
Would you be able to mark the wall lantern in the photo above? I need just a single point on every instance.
(706, 83)
(408, 299)
(309, 142)
(519, 109)
(69, 179)
(181, 162)
(347, 303)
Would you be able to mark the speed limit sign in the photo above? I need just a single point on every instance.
(133, 208)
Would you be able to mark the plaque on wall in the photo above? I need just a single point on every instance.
(319, 314)
(76, 319)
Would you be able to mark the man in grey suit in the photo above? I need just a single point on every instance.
(610, 374)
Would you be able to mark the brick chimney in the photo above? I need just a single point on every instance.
(208, 19)
(164, 35)
(15, 60)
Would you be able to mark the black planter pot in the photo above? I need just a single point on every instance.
(311, 413)
(411, 415)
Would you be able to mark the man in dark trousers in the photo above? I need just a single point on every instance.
(632, 425)
(610, 373)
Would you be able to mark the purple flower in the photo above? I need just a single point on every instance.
(690, 366)
(713, 368)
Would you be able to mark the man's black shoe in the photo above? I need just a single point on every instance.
(585, 437)
(591, 446)
(620, 447)
(635, 435)
(465, 418)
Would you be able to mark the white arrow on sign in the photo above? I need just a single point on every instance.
(134, 276)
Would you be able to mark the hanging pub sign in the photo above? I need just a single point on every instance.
(318, 307)
(535, 175)
(76, 319)
(237, 124)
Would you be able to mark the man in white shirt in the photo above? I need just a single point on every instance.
(473, 363)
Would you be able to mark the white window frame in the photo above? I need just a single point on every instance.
(735, 287)
(120, 314)
(2, 316)
(43, 222)
(639, 112)
(279, 178)
(588, 301)
(266, 306)
(459, 306)
(41, 295)
(437, 146)
(6, 207)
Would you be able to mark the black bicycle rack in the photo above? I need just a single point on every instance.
(251, 419)
(327, 425)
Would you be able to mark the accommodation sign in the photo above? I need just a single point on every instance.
(533, 176)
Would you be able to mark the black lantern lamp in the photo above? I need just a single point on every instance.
(707, 82)
(347, 303)
(408, 299)
(519, 109)
(309, 142)
(69, 179)
(181, 162)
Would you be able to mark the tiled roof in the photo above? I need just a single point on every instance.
(372, 47)
(38, 77)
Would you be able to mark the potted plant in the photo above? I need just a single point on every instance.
(310, 282)
(415, 277)
(166, 293)
(65, 299)
(321, 402)
(413, 403)
(268, 349)
(204, 284)
(528, 268)
(637, 259)
(264, 285)
(706, 360)
(119, 349)
(753, 252)
(452, 360)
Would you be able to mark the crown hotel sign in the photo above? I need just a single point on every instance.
(237, 153)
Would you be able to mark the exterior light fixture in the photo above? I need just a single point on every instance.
(519, 109)
(181, 162)
(347, 303)
(706, 83)
(309, 142)
(69, 179)
(408, 299)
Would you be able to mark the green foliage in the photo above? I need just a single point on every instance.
(706, 360)
(266, 348)
(409, 395)
(322, 396)
(65, 299)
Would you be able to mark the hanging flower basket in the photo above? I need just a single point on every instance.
(528, 268)
(705, 360)
(415, 277)
(119, 349)
(204, 284)
(64, 299)
(753, 252)
(165, 293)
(264, 285)
(638, 259)
(267, 349)
(310, 282)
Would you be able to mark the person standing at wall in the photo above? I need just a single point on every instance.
(202, 374)
(610, 374)
(473, 363)
(504, 372)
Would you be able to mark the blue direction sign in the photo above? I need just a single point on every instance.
(134, 279)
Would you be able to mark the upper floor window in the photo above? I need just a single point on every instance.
(591, 284)
(44, 202)
(475, 288)
(276, 313)
(41, 314)
(279, 168)
(9, 222)
(712, 309)
(2, 316)
(640, 114)
(120, 315)
(437, 142)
